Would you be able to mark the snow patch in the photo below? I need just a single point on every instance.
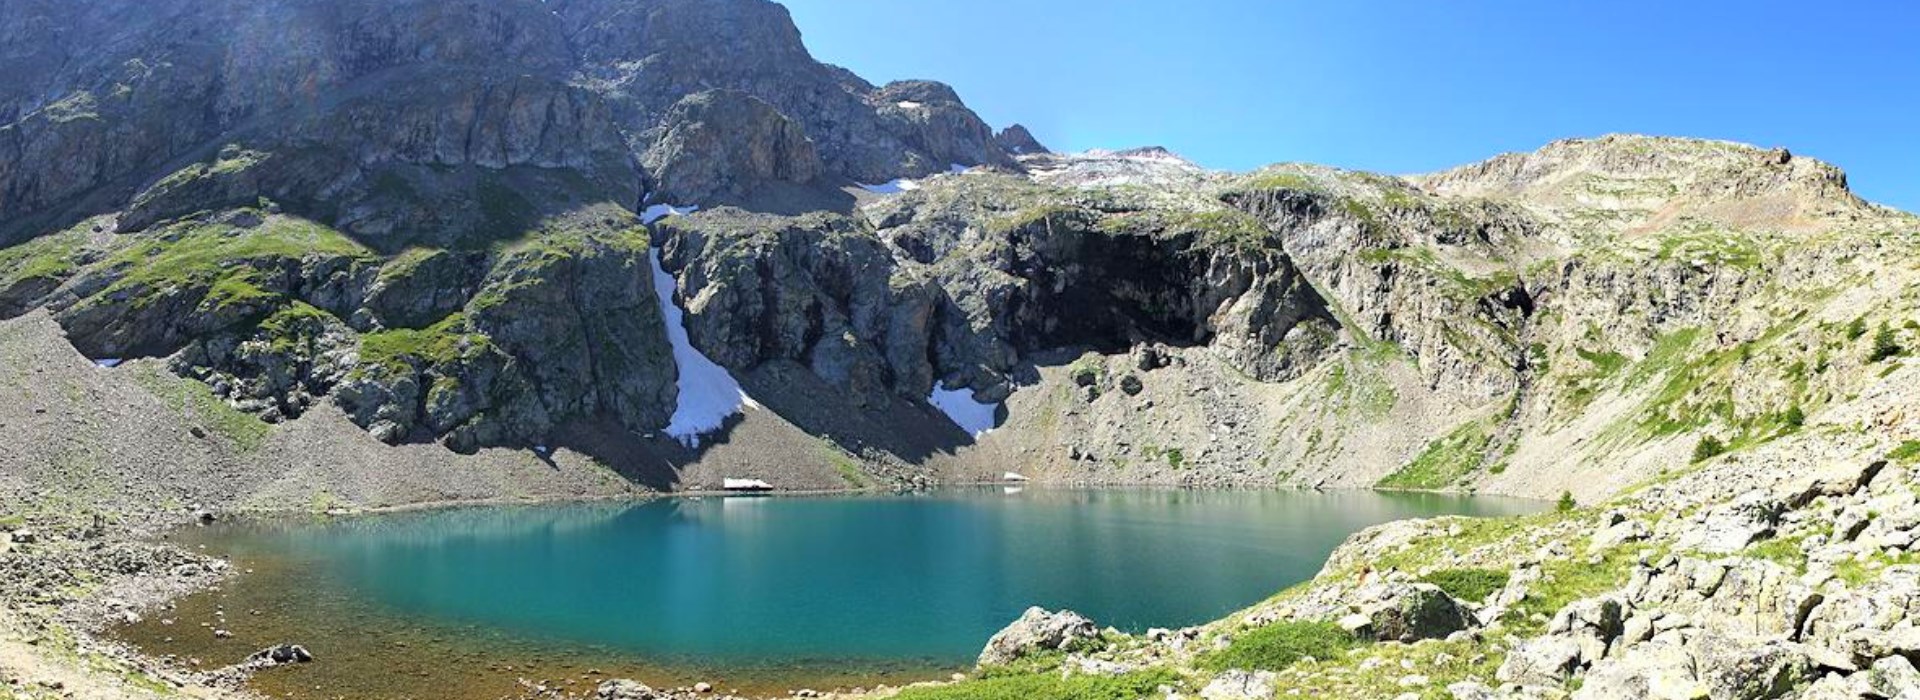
(708, 394)
(661, 211)
(972, 416)
(108, 362)
(745, 485)
(891, 186)
(956, 168)
(910, 104)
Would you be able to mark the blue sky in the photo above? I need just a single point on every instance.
(1405, 87)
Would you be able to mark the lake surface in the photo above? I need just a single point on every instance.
(759, 593)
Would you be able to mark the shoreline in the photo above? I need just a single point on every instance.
(92, 617)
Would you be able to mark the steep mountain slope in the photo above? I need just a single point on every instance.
(436, 221)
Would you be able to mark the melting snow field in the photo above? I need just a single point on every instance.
(972, 416)
(891, 186)
(108, 363)
(661, 211)
(708, 394)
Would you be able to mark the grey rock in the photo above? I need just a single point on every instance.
(1037, 630)
(722, 146)
(1240, 685)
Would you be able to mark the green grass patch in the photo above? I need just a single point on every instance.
(1445, 461)
(1566, 580)
(1279, 645)
(1049, 686)
(46, 257)
(445, 343)
(1905, 452)
(195, 402)
(1472, 585)
(222, 259)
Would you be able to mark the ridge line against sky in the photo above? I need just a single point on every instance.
(1404, 87)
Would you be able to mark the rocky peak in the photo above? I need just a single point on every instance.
(1018, 141)
(1656, 182)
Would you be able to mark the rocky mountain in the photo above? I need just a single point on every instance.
(320, 254)
(438, 221)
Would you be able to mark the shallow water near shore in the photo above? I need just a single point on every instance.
(759, 594)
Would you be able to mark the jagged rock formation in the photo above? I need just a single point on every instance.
(434, 229)
(422, 211)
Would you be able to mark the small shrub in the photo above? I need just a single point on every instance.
(1906, 452)
(1795, 418)
(1471, 585)
(1884, 345)
(1279, 645)
(1566, 504)
(1857, 328)
(1707, 448)
(1175, 458)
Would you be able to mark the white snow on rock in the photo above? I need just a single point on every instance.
(972, 416)
(956, 168)
(108, 362)
(745, 485)
(708, 394)
(891, 186)
(661, 211)
(910, 104)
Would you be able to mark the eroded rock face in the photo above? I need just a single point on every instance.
(720, 146)
(1037, 631)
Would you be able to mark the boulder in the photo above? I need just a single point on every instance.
(1894, 677)
(1731, 527)
(623, 689)
(1037, 630)
(1406, 612)
(279, 654)
(1240, 685)
(1541, 661)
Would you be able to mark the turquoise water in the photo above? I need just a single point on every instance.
(794, 581)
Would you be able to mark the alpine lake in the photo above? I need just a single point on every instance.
(757, 594)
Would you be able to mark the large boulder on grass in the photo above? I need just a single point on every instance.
(1035, 632)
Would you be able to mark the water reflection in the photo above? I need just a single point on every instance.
(799, 580)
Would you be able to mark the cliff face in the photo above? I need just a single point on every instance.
(436, 219)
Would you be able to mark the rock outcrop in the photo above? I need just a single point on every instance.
(1037, 631)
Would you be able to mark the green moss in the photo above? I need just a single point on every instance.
(406, 262)
(1445, 461)
(294, 324)
(403, 350)
(1279, 645)
(1472, 585)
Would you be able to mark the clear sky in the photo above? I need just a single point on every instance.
(1405, 87)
